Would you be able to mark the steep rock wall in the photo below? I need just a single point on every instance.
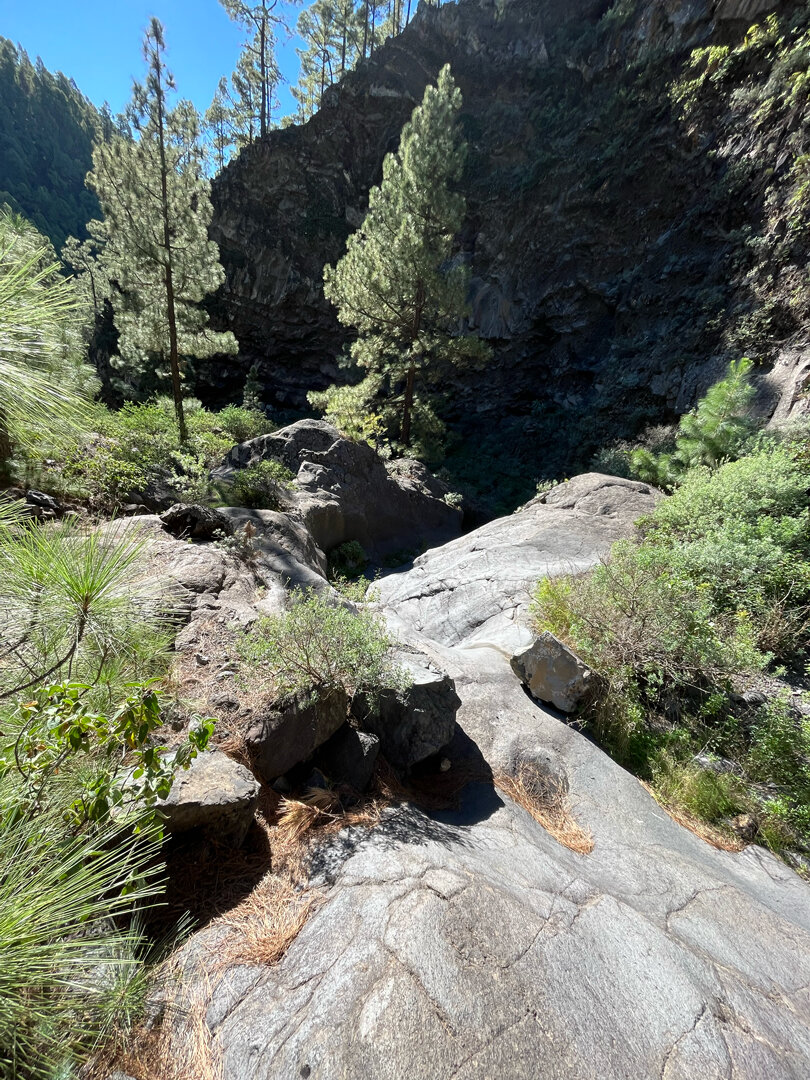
(606, 233)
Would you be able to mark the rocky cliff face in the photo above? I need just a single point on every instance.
(628, 232)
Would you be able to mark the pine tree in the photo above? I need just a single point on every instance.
(715, 431)
(398, 284)
(257, 75)
(84, 259)
(43, 379)
(157, 209)
(252, 392)
(219, 123)
(321, 31)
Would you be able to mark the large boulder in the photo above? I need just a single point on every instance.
(477, 589)
(344, 492)
(415, 722)
(292, 731)
(216, 794)
(553, 673)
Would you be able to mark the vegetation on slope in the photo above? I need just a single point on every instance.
(47, 131)
(698, 630)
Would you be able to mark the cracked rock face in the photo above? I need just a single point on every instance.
(477, 589)
(344, 492)
(470, 944)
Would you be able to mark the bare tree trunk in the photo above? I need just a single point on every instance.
(407, 406)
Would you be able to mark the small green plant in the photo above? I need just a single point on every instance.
(349, 560)
(126, 767)
(318, 646)
(261, 486)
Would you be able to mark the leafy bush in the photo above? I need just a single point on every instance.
(138, 445)
(123, 765)
(320, 647)
(349, 560)
(713, 591)
(260, 486)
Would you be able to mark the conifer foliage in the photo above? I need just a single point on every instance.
(157, 209)
(713, 432)
(398, 284)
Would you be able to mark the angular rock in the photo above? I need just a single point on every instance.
(40, 505)
(413, 723)
(191, 521)
(293, 731)
(344, 491)
(553, 673)
(216, 794)
(349, 757)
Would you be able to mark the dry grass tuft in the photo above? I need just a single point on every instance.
(297, 816)
(722, 839)
(546, 799)
(181, 1047)
(267, 922)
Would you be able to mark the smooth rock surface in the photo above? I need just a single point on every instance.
(553, 673)
(344, 492)
(477, 589)
(293, 731)
(216, 794)
(469, 944)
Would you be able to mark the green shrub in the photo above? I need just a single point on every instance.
(260, 486)
(349, 560)
(243, 423)
(715, 431)
(320, 647)
(139, 444)
(713, 590)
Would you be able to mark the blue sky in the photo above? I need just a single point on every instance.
(98, 44)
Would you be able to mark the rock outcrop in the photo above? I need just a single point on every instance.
(292, 731)
(469, 943)
(343, 490)
(606, 232)
(477, 589)
(415, 722)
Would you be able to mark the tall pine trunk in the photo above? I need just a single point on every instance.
(263, 74)
(174, 356)
(407, 406)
